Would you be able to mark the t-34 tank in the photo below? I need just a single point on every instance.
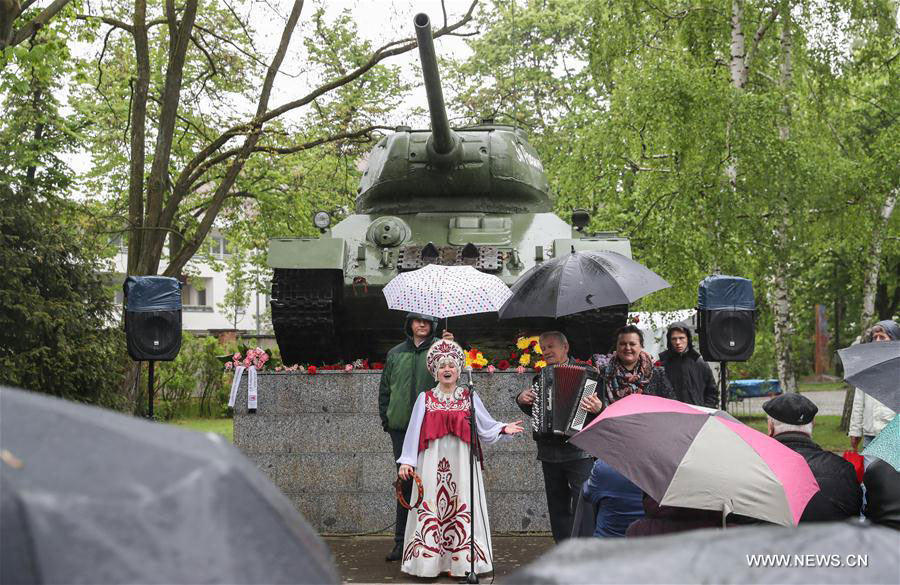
(476, 195)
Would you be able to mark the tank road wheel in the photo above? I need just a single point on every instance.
(305, 305)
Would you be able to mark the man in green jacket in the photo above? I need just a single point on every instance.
(403, 379)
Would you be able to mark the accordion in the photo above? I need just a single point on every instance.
(556, 410)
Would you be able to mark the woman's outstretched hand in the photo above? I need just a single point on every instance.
(405, 472)
(513, 428)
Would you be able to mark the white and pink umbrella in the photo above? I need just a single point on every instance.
(702, 458)
(446, 291)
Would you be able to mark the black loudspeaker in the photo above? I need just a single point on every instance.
(727, 336)
(727, 319)
(152, 317)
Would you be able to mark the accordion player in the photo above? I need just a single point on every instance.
(558, 392)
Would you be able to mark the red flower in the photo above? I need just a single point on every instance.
(378, 366)
(311, 370)
(365, 365)
(513, 356)
(532, 344)
(503, 365)
(473, 354)
(476, 366)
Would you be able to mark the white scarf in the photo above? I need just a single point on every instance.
(251, 386)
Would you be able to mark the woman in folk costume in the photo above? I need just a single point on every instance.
(437, 445)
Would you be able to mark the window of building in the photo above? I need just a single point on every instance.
(218, 246)
(196, 294)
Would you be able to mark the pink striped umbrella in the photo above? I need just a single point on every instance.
(702, 458)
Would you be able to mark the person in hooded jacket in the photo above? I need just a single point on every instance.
(405, 376)
(691, 377)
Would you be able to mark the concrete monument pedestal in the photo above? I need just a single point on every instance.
(319, 438)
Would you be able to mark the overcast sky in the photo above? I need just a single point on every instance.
(379, 21)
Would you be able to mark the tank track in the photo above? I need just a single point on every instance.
(304, 315)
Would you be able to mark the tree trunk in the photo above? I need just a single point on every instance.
(738, 72)
(848, 408)
(873, 261)
(176, 263)
(138, 119)
(179, 37)
(781, 305)
(780, 289)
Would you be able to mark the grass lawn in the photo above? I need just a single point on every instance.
(820, 386)
(826, 431)
(222, 426)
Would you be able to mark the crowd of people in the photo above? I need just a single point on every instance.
(430, 434)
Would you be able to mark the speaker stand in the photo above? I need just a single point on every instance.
(150, 392)
(723, 382)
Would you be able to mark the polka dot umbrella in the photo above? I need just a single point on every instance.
(446, 291)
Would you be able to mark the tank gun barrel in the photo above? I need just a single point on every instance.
(444, 141)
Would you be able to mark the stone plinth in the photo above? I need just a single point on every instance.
(319, 438)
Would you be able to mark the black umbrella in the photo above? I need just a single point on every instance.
(849, 552)
(874, 368)
(92, 496)
(580, 281)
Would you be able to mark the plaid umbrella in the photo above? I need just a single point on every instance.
(702, 458)
(886, 445)
(446, 291)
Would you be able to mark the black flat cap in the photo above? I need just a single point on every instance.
(791, 408)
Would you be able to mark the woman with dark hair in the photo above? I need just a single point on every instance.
(630, 371)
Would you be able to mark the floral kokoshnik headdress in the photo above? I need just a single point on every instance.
(444, 349)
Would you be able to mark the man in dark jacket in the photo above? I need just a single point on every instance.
(883, 494)
(403, 379)
(565, 466)
(839, 496)
(691, 377)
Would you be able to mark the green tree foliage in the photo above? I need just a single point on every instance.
(57, 325)
(237, 295)
(193, 384)
(642, 115)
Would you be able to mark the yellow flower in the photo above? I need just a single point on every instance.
(541, 364)
(468, 360)
(537, 348)
(522, 342)
(525, 359)
(481, 362)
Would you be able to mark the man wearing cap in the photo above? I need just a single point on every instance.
(403, 379)
(790, 423)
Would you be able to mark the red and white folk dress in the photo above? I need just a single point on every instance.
(437, 445)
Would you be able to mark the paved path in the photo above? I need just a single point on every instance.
(360, 559)
(830, 402)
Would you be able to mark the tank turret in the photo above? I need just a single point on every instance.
(473, 195)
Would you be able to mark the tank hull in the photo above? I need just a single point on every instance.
(327, 301)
